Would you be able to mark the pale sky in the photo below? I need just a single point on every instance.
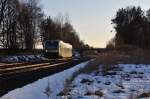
(90, 18)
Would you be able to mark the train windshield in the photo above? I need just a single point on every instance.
(51, 45)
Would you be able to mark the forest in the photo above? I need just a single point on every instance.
(23, 25)
(132, 27)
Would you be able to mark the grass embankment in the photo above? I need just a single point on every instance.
(108, 60)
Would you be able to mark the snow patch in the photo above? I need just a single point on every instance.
(128, 83)
(22, 58)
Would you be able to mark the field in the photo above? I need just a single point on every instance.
(112, 75)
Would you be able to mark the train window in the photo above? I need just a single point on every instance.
(51, 44)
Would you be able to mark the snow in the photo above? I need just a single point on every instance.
(22, 58)
(37, 89)
(128, 82)
(131, 81)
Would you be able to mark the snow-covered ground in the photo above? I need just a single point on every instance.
(39, 89)
(22, 58)
(128, 82)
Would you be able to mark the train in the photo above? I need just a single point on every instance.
(57, 49)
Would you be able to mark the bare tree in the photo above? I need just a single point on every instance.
(30, 18)
(8, 37)
(2, 9)
(60, 28)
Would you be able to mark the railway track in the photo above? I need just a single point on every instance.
(14, 68)
(19, 74)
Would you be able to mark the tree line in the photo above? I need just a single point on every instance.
(132, 26)
(60, 28)
(23, 24)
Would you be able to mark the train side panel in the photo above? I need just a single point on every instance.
(65, 50)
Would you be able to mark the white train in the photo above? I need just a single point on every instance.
(57, 49)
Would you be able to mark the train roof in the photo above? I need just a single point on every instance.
(66, 44)
(62, 42)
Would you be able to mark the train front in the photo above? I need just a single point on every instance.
(51, 49)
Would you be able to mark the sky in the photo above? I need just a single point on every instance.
(91, 18)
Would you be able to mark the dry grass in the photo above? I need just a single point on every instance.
(108, 60)
(119, 91)
(66, 90)
(92, 65)
(84, 80)
(48, 91)
(127, 56)
(138, 56)
(144, 95)
(97, 93)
